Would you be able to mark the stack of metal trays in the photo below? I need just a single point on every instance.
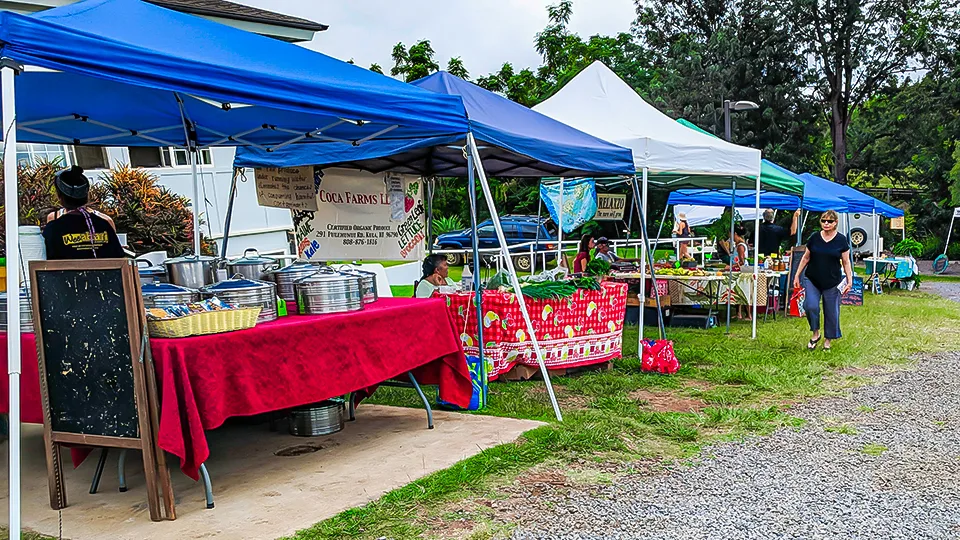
(286, 277)
(328, 291)
(26, 312)
(321, 418)
(243, 292)
(368, 282)
(166, 294)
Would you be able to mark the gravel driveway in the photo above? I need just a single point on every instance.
(883, 463)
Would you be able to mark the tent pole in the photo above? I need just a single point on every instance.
(428, 184)
(514, 280)
(560, 225)
(237, 171)
(646, 248)
(533, 258)
(196, 199)
(477, 293)
(756, 260)
(732, 247)
(643, 263)
(8, 71)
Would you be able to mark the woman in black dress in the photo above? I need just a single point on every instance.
(827, 253)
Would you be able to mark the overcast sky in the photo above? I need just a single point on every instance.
(485, 33)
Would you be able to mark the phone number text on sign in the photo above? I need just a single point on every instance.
(365, 216)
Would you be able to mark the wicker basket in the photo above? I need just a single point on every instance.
(211, 322)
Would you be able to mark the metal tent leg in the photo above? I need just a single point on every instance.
(426, 403)
(351, 406)
(98, 474)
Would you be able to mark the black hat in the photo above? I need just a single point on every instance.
(72, 183)
(602, 240)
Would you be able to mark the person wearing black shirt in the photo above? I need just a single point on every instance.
(77, 232)
(772, 235)
(827, 252)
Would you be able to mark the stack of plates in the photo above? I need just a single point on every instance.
(26, 312)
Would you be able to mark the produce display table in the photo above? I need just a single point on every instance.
(711, 289)
(584, 329)
(291, 362)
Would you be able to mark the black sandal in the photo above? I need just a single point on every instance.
(813, 343)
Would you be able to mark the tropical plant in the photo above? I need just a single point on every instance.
(447, 224)
(908, 247)
(154, 218)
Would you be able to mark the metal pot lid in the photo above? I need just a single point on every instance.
(298, 267)
(345, 269)
(327, 276)
(252, 259)
(190, 259)
(164, 288)
(238, 282)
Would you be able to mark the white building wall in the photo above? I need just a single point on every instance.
(253, 226)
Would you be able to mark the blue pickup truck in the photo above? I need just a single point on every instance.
(516, 230)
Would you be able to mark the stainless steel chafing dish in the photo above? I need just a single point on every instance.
(368, 282)
(243, 292)
(286, 276)
(328, 291)
(167, 294)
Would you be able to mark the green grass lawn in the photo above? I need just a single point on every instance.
(728, 387)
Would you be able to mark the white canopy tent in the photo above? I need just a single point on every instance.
(602, 104)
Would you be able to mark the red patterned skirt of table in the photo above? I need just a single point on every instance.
(584, 329)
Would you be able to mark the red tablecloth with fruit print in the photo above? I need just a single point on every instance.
(584, 329)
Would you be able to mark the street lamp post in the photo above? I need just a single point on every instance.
(735, 106)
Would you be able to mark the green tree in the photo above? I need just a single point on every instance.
(857, 46)
(732, 49)
(415, 63)
(456, 68)
(376, 68)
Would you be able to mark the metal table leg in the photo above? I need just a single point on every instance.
(120, 473)
(98, 474)
(207, 487)
(426, 403)
(204, 476)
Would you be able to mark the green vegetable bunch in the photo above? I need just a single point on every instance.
(598, 267)
(908, 246)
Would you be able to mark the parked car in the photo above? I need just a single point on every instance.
(516, 230)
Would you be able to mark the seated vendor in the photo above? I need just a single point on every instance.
(76, 232)
(604, 253)
(435, 275)
(723, 246)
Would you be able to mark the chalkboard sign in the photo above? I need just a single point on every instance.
(87, 349)
(96, 374)
(855, 296)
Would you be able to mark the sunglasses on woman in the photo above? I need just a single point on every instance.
(828, 221)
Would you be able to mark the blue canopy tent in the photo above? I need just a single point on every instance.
(514, 141)
(128, 73)
(503, 138)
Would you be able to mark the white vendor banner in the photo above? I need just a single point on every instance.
(361, 215)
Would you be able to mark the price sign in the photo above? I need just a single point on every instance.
(292, 187)
(897, 223)
(956, 212)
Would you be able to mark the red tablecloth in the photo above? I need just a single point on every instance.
(293, 361)
(584, 329)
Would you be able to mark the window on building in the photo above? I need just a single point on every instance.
(149, 158)
(90, 157)
(32, 154)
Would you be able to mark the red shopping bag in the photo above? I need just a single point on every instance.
(658, 356)
(796, 303)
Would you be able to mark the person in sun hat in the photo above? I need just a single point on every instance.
(681, 229)
(76, 232)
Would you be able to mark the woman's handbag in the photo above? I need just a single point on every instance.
(796, 303)
(658, 356)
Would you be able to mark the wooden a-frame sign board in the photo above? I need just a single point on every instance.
(97, 378)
